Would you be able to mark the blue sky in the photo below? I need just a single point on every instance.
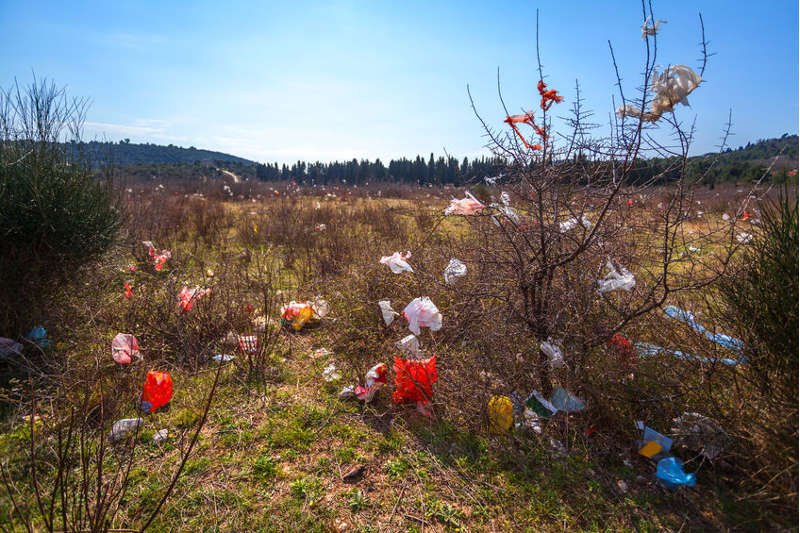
(335, 80)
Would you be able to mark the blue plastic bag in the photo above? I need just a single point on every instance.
(644, 349)
(670, 472)
(725, 341)
(38, 335)
(565, 401)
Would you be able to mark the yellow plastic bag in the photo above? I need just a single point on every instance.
(501, 415)
(303, 316)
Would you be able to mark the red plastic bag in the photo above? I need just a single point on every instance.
(414, 380)
(157, 391)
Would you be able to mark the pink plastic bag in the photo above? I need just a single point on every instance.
(159, 259)
(469, 205)
(187, 297)
(125, 348)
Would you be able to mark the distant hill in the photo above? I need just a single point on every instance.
(126, 153)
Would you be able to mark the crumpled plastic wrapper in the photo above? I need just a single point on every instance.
(122, 428)
(651, 29)
(422, 313)
(616, 279)
(455, 269)
(469, 205)
(670, 87)
(553, 353)
(387, 312)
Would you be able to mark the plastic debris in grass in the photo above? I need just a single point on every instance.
(128, 288)
(564, 400)
(455, 269)
(409, 345)
(121, 428)
(670, 472)
(38, 336)
(651, 29)
(125, 348)
(330, 373)
(501, 415)
(700, 433)
(616, 279)
(469, 205)
(187, 297)
(161, 436)
(222, 358)
(652, 444)
(623, 349)
(373, 381)
(644, 349)
(9, 348)
(159, 258)
(248, 344)
(413, 380)
(688, 318)
(157, 391)
(540, 405)
(574, 222)
(387, 312)
(397, 262)
(422, 313)
(297, 314)
(553, 352)
(744, 238)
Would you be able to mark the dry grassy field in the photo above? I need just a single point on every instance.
(263, 442)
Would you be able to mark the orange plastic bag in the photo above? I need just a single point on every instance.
(414, 380)
(157, 391)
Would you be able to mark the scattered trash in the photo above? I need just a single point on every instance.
(397, 262)
(319, 228)
(409, 345)
(297, 314)
(501, 415)
(744, 238)
(387, 312)
(128, 289)
(725, 341)
(38, 336)
(320, 352)
(230, 339)
(222, 358)
(565, 401)
(121, 428)
(125, 348)
(159, 259)
(623, 349)
(330, 373)
(187, 297)
(616, 279)
(505, 208)
(693, 249)
(652, 444)
(574, 222)
(455, 269)
(553, 352)
(669, 471)
(373, 381)
(530, 420)
(414, 381)
(726, 217)
(157, 391)
(651, 30)
(421, 313)
(9, 348)
(248, 343)
(160, 436)
(700, 433)
(469, 205)
(539, 405)
(645, 349)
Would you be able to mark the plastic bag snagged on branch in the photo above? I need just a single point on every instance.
(669, 87)
(469, 205)
(159, 259)
(505, 208)
(125, 348)
(686, 317)
(409, 345)
(574, 222)
(187, 297)
(373, 381)
(454, 269)
(414, 381)
(553, 353)
(700, 433)
(157, 391)
(651, 30)
(397, 262)
(422, 313)
(616, 279)
(387, 312)
(644, 349)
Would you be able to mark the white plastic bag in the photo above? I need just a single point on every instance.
(455, 269)
(321, 307)
(651, 30)
(422, 313)
(387, 312)
(397, 262)
(469, 205)
(330, 373)
(616, 279)
(573, 222)
(409, 345)
(553, 352)
(670, 87)
(121, 428)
